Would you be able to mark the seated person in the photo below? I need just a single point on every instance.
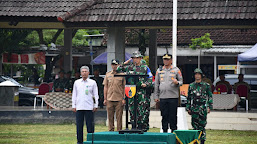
(241, 82)
(226, 83)
(77, 75)
(207, 80)
(60, 83)
(70, 81)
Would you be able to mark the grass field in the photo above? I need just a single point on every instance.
(66, 134)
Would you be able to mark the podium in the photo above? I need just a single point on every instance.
(131, 91)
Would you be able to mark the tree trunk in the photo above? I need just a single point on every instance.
(142, 44)
(48, 70)
(56, 35)
(40, 35)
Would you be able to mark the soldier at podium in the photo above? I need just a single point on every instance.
(143, 109)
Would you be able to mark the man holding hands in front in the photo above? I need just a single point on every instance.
(114, 95)
(84, 102)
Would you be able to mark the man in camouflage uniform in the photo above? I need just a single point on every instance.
(143, 109)
(70, 81)
(60, 84)
(199, 103)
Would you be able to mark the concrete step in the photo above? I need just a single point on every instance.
(217, 120)
(44, 116)
(145, 138)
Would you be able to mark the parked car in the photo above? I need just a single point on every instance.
(250, 79)
(26, 94)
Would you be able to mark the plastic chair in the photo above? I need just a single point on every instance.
(43, 89)
(222, 87)
(51, 84)
(242, 91)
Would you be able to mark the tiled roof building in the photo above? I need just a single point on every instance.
(159, 11)
(144, 14)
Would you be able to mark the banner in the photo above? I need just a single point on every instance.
(33, 58)
(184, 89)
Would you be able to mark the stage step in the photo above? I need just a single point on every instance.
(146, 138)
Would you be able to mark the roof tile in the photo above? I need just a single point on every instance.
(124, 10)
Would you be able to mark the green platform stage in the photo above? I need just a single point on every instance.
(146, 138)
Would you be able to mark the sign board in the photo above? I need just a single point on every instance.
(33, 58)
(228, 67)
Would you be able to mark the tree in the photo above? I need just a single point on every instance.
(17, 40)
(201, 43)
(142, 36)
(204, 42)
(57, 37)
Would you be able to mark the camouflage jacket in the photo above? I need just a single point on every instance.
(69, 84)
(132, 69)
(60, 83)
(199, 94)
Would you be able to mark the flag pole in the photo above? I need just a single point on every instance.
(174, 34)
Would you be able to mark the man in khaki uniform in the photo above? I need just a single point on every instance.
(114, 96)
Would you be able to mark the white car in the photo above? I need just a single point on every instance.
(26, 94)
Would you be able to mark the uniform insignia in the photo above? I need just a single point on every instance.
(130, 90)
(179, 72)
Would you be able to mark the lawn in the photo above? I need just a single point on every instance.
(66, 134)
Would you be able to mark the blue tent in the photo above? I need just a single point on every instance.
(102, 58)
(249, 55)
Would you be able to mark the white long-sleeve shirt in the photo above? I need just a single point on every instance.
(82, 95)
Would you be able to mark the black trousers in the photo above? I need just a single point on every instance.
(80, 116)
(168, 109)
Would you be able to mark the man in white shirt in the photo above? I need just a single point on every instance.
(84, 102)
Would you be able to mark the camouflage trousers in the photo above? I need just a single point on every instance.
(143, 110)
(199, 119)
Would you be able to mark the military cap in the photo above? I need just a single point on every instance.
(114, 61)
(167, 56)
(197, 70)
(136, 54)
